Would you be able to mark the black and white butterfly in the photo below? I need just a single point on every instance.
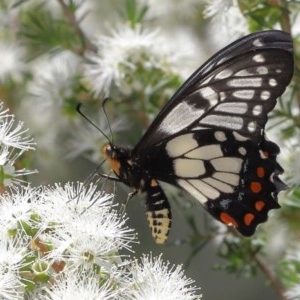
(209, 138)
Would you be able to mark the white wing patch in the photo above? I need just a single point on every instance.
(259, 58)
(231, 122)
(181, 145)
(205, 152)
(188, 168)
(257, 110)
(207, 190)
(238, 107)
(210, 95)
(220, 136)
(265, 95)
(258, 43)
(224, 74)
(223, 187)
(179, 117)
(227, 164)
(244, 83)
(190, 161)
(244, 94)
(192, 190)
(230, 178)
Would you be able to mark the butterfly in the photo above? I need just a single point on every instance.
(209, 138)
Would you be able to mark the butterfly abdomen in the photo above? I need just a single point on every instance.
(158, 212)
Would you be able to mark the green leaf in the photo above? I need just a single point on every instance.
(134, 13)
(43, 33)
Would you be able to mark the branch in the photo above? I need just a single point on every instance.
(87, 45)
(271, 275)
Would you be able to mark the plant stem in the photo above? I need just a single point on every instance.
(87, 45)
(271, 275)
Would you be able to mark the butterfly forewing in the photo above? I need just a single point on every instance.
(255, 69)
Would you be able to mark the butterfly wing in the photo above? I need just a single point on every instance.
(209, 138)
(233, 90)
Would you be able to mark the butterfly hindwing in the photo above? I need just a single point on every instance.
(233, 177)
(256, 193)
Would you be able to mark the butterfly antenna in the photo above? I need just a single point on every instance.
(108, 123)
(78, 108)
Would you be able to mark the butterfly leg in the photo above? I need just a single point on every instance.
(109, 177)
(158, 212)
(130, 195)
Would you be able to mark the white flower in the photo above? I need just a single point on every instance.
(17, 208)
(289, 147)
(119, 55)
(293, 293)
(228, 22)
(53, 83)
(73, 228)
(80, 286)
(289, 157)
(13, 135)
(90, 241)
(88, 231)
(12, 177)
(53, 79)
(3, 112)
(172, 10)
(11, 287)
(63, 204)
(12, 256)
(11, 61)
(14, 141)
(153, 280)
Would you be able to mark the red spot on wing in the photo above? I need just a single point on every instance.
(248, 218)
(260, 171)
(255, 187)
(227, 219)
(259, 205)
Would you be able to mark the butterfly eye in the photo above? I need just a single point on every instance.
(107, 151)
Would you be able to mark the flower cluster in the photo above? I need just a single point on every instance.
(224, 16)
(59, 53)
(63, 242)
(14, 141)
(155, 279)
(123, 54)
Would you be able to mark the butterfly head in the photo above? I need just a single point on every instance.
(111, 154)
